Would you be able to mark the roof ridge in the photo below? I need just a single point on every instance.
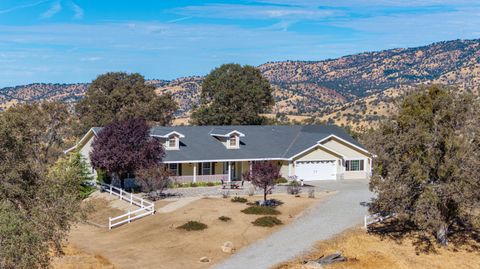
(293, 141)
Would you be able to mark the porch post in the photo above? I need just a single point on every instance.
(194, 172)
(229, 172)
(289, 169)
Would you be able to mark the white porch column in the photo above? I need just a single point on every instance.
(229, 172)
(250, 166)
(289, 168)
(194, 172)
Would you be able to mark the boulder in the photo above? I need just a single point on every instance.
(228, 247)
(204, 259)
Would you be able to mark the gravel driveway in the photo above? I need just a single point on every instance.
(338, 213)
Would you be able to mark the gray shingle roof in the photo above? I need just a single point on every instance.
(259, 142)
(278, 142)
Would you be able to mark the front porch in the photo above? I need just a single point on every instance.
(208, 171)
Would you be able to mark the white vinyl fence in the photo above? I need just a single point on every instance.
(145, 207)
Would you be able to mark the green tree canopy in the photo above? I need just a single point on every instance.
(427, 167)
(37, 203)
(119, 96)
(233, 94)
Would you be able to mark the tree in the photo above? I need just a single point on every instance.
(78, 166)
(233, 94)
(37, 203)
(118, 96)
(124, 147)
(153, 180)
(427, 165)
(263, 175)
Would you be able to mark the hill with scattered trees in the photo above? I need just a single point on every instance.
(355, 90)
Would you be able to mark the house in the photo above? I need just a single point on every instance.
(214, 153)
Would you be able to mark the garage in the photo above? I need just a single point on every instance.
(316, 170)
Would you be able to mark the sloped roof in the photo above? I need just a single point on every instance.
(259, 142)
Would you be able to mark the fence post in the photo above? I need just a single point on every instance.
(131, 198)
(109, 223)
(128, 216)
(121, 194)
(365, 222)
(110, 189)
(141, 203)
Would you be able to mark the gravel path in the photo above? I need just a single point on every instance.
(338, 213)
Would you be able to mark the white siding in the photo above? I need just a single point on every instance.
(351, 153)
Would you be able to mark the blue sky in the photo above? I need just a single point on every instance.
(75, 40)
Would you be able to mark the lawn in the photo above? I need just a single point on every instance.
(155, 241)
(370, 251)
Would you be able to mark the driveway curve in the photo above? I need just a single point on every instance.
(339, 212)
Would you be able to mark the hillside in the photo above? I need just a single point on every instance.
(356, 89)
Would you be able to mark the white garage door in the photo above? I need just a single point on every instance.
(316, 170)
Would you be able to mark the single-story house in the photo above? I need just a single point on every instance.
(214, 153)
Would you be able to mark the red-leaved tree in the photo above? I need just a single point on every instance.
(263, 175)
(125, 146)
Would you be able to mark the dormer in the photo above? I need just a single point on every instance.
(230, 138)
(171, 140)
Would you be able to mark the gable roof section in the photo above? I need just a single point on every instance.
(259, 142)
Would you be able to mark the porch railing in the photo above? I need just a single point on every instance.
(200, 178)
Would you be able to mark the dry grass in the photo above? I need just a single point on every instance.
(154, 241)
(370, 251)
(75, 258)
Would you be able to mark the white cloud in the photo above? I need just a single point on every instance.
(77, 10)
(54, 9)
(3, 11)
(236, 11)
(90, 59)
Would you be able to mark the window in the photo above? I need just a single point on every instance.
(354, 165)
(206, 168)
(233, 141)
(172, 142)
(173, 167)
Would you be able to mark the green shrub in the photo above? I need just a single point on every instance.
(210, 184)
(193, 184)
(267, 221)
(193, 226)
(238, 199)
(281, 180)
(261, 210)
(224, 218)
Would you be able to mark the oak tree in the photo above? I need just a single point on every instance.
(233, 95)
(427, 165)
(38, 203)
(118, 96)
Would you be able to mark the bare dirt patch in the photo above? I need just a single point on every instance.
(369, 251)
(75, 258)
(154, 241)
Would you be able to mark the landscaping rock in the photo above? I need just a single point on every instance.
(312, 265)
(228, 247)
(204, 259)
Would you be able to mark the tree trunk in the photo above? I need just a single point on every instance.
(442, 235)
(265, 194)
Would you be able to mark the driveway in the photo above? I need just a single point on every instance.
(338, 213)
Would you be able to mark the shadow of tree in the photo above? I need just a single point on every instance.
(465, 238)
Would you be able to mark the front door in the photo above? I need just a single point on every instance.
(232, 170)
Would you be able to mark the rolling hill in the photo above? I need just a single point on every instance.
(355, 90)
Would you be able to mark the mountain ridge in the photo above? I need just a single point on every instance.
(315, 88)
